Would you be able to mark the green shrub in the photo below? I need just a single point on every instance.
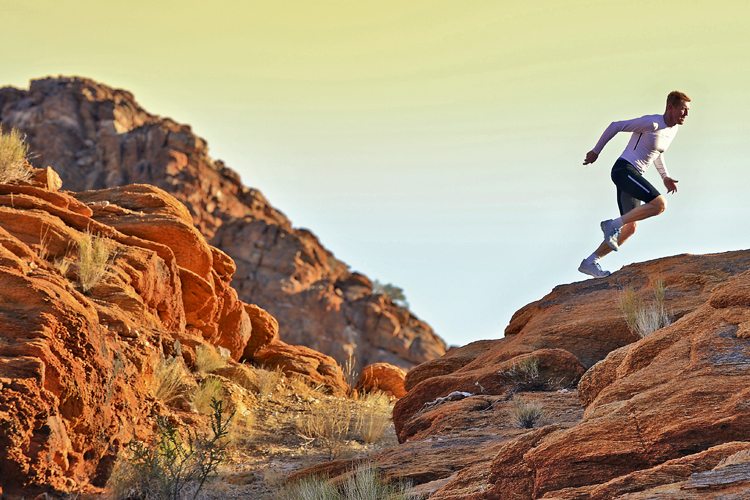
(395, 293)
(176, 465)
(13, 151)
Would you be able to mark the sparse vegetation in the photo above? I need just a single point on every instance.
(328, 423)
(269, 381)
(177, 465)
(171, 380)
(13, 151)
(395, 293)
(373, 417)
(645, 317)
(208, 359)
(350, 370)
(527, 415)
(210, 389)
(94, 253)
(524, 375)
(364, 483)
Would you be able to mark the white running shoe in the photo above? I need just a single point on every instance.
(611, 233)
(592, 268)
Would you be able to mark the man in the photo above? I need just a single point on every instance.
(651, 136)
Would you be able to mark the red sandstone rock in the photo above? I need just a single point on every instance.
(75, 368)
(98, 137)
(303, 362)
(382, 377)
(265, 329)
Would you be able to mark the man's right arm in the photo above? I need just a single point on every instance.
(642, 124)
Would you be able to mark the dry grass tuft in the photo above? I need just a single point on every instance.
(208, 359)
(269, 381)
(94, 254)
(527, 415)
(171, 380)
(372, 416)
(209, 389)
(327, 422)
(13, 151)
(363, 483)
(351, 375)
(644, 318)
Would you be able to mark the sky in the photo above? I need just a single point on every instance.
(436, 145)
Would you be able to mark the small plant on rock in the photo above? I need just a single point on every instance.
(363, 483)
(13, 151)
(208, 359)
(171, 380)
(176, 465)
(372, 417)
(524, 375)
(395, 293)
(527, 415)
(644, 318)
(94, 253)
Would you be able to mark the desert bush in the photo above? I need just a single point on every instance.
(171, 380)
(372, 416)
(363, 483)
(210, 389)
(94, 253)
(269, 381)
(176, 465)
(208, 359)
(644, 318)
(526, 415)
(13, 151)
(309, 488)
(524, 375)
(327, 422)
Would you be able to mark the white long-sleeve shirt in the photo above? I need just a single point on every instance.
(651, 137)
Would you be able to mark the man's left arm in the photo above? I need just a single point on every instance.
(661, 167)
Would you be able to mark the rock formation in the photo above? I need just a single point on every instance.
(97, 137)
(77, 363)
(660, 416)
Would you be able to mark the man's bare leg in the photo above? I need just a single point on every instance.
(626, 232)
(650, 209)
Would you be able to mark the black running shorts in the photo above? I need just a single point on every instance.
(632, 187)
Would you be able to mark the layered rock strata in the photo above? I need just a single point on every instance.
(77, 362)
(98, 137)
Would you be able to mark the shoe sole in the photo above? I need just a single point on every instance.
(609, 241)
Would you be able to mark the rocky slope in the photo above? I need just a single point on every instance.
(664, 416)
(77, 362)
(97, 137)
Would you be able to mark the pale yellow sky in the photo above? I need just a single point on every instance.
(434, 144)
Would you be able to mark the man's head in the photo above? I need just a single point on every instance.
(678, 105)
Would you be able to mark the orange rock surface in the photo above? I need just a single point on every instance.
(76, 367)
(98, 137)
(382, 377)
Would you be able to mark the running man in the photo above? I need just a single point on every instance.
(652, 135)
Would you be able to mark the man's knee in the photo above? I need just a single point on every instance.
(659, 203)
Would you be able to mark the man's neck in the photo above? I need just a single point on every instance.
(666, 121)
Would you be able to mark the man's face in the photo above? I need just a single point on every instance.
(678, 113)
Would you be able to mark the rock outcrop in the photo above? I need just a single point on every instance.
(98, 137)
(382, 377)
(661, 416)
(77, 362)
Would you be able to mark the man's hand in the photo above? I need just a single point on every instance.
(670, 184)
(590, 157)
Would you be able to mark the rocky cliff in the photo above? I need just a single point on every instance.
(78, 357)
(97, 137)
(661, 416)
